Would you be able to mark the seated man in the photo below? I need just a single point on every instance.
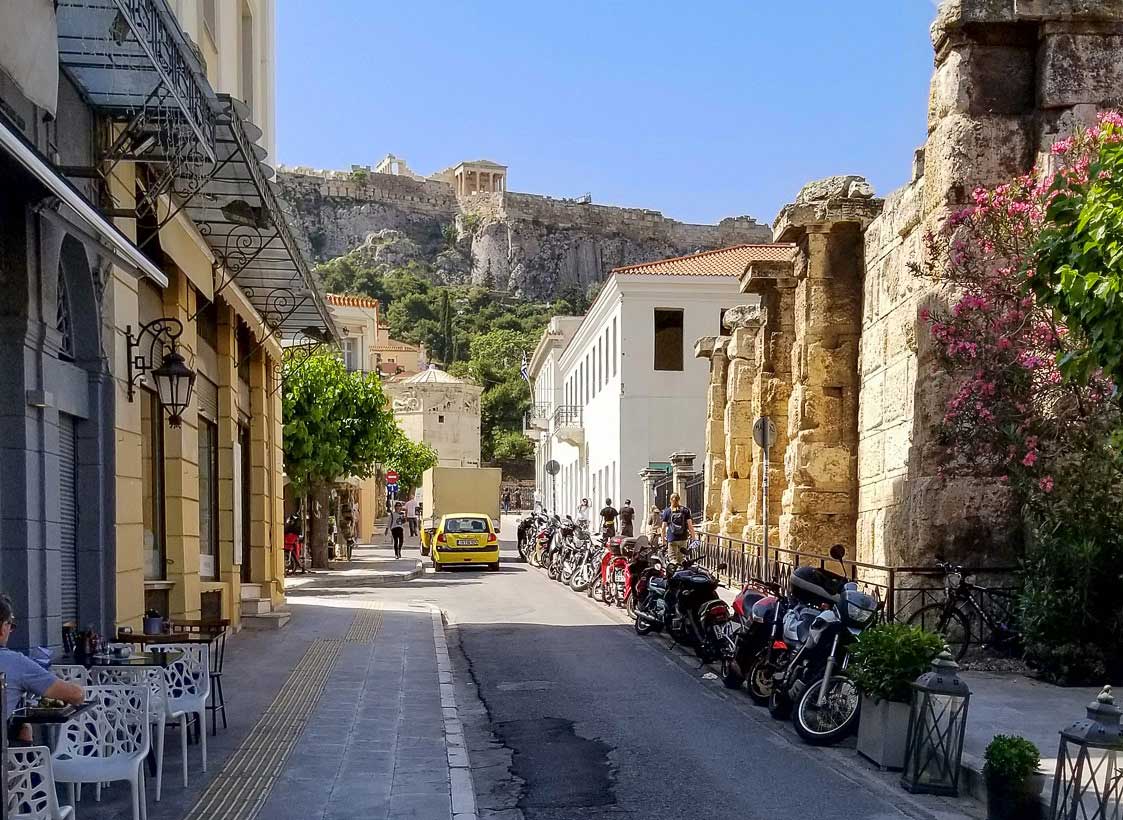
(21, 674)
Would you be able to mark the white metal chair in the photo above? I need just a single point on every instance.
(106, 743)
(189, 686)
(158, 713)
(72, 673)
(31, 786)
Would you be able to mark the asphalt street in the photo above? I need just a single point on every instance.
(570, 714)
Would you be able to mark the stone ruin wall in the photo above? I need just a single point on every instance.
(836, 353)
(536, 245)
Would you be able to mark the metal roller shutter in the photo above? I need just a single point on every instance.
(207, 393)
(68, 517)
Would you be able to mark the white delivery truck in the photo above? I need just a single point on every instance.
(446, 490)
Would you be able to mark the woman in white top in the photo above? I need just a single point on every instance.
(582, 516)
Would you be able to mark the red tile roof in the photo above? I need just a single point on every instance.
(730, 261)
(349, 300)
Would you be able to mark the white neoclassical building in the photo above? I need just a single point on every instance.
(618, 390)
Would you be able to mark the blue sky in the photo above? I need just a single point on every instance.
(699, 110)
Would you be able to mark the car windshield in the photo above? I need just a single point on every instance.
(466, 525)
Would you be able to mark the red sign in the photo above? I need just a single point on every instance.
(391, 476)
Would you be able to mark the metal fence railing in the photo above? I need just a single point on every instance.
(663, 488)
(695, 495)
(902, 590)
(567, 415)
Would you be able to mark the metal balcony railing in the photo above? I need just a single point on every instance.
(537, 417)
(567, 415)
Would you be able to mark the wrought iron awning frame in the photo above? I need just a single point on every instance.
(165, 120)
(293, 359)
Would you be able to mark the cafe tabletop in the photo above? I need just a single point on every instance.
(149, 658)
(165, 637)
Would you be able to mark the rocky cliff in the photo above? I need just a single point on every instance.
(533, 245)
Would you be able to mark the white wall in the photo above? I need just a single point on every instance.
(632, 414)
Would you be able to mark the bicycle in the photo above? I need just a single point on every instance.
(951, 618)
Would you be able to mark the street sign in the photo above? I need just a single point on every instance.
(552, 467)
(391, 476)
(764, 432)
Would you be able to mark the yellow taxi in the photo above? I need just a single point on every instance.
(465, 538)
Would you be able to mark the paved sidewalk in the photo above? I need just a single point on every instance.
(348, 712)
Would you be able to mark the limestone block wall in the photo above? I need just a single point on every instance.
(1010, 78)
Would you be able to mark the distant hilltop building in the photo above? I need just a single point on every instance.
(539, 247)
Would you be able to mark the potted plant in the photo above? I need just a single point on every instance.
(883, 664)
(1010, 769)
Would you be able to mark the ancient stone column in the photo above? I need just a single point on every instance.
(743, 323)
(819, 503)
(714, 349)
(768, 389)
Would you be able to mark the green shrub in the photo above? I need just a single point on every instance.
(1010, 759)
(890, 656)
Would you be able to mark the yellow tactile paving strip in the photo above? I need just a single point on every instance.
(239, 791)
(366, 624)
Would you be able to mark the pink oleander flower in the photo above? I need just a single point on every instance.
(1046, 484)
(1030, 459)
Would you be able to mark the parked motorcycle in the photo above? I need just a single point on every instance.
(813, 686)
(687, 607)
(758, 641)
(586, 561)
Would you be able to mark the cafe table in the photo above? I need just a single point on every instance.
(140, 639)
(153, 657)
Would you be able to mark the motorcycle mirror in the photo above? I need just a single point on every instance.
(838, 552)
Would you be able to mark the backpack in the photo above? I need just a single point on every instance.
(677, 524)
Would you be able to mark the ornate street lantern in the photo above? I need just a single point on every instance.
(174, 379)
(937, 723)
(1086, 784)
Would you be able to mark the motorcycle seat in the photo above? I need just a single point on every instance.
(659, 582)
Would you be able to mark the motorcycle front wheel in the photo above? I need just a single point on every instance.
(759, 677)
(779, 705)
(835, 720)
(596, 589)
(730, 675)
(579, 581)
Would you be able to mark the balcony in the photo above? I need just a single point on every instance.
(537, 419)
(567, 424)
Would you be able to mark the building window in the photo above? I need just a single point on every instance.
(152, 486)
(350, 351)
(668, 339)
(248, 57)
(613, 345)
(62, 318)
(210, 20)
(440, 419)
(208, 500)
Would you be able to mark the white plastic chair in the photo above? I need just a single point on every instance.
(189, 686)
(158, 713)
(31, 786)
(106, 743)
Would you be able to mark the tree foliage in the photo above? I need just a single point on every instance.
(336, 423)
(410, 459)
(1079, 253)
(1022, 411)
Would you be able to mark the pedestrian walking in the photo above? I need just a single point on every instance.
(538, 505)
(411, 514)
(678, 526)
(506, 501)
(519, 500)
(582, 514)
(654, 524)
(608, 516)
(627, 515)
(395, 525)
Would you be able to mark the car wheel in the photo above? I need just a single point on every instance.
(494, 567)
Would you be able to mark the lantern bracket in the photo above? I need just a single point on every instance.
(162, 336)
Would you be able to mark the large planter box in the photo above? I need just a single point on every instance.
(883, 732)
(1015, 801)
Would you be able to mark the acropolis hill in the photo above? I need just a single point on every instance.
(535, 245)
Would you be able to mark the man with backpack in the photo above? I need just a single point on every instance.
(678, 529)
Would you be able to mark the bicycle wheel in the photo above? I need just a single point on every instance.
(947, 622)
